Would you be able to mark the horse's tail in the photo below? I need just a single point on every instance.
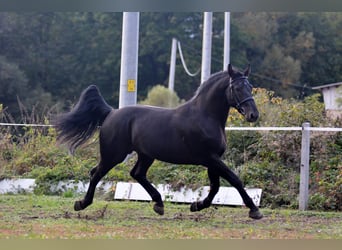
(77, 126)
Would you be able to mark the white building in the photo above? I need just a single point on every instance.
(331, 93)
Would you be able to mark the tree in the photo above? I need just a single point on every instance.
(13, 84)
(326, 61)
(61, 53)
(284, 68)
(156, 33)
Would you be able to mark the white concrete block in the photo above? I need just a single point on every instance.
(16, 185)
(225, 196)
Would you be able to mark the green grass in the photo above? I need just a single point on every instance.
(52, 217)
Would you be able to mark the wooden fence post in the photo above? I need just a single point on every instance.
(304, 167)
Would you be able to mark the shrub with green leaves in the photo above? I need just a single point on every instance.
(35, 154)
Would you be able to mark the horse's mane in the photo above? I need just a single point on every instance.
(210, 82)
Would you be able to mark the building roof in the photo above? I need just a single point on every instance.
(328, 85)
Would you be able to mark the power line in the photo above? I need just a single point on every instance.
(254, 74)
(183, 62)
(279, 81)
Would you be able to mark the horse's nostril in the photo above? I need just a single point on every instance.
(251, 117)
(254, 116)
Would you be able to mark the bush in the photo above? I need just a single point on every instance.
(178, 176)
(326, 176)
(162, 97)
(279, 184)
(36, 155)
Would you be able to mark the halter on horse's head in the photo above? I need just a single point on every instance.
(239, 94)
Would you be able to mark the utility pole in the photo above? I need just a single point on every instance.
(206, 46)
(226, 50)
(173, 64)
(129, 59)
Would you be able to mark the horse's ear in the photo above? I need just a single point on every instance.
(230, 70)
(247, 70)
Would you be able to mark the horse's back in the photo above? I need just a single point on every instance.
(149, 130)
(132, 122)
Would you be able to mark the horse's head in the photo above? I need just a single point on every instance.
(239, 94)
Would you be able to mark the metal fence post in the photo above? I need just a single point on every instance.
(304, 167)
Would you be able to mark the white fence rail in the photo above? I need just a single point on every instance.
(263, 128)
(24, 125)
(324, 129)
(305, 150)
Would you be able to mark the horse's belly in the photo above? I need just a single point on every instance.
(167, 150)
(177, 157)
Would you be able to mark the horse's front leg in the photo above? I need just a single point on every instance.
(222, 170)
(214, 179)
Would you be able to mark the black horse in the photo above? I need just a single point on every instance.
(193, 133)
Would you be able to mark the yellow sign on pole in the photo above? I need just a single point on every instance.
(131, 85)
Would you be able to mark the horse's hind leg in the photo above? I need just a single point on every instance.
(139, 173)
(92, 171)
(214, 179)
(96, 175)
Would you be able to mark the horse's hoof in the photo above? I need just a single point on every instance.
(158, 209)
(194, 207)
(78, 206)
(256, 215)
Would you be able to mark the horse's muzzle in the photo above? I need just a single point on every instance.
(252, 116)
(250, 113)
(249, 110)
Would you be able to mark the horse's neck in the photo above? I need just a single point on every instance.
(212, 106)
